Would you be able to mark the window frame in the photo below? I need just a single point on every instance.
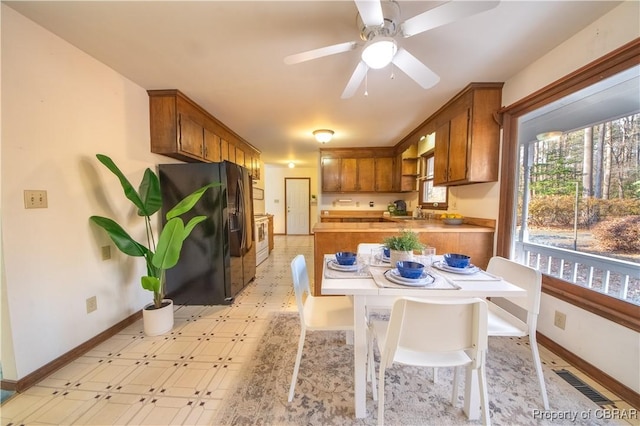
(625, 57)
(423, 179)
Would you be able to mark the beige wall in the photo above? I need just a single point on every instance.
(59, 108)
(274, 193)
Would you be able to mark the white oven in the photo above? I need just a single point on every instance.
(262, 238)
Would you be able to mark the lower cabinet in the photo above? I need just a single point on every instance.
(477, 244)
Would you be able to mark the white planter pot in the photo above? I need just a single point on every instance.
(397, 256)
(158, 321)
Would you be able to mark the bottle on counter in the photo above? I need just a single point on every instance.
(417, 212)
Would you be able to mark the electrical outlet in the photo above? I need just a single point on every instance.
(92, 304)
(106, 252)
(35, 199)
(560, 320)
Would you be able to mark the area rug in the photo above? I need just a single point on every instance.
(324, 393)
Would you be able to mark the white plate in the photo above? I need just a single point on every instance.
(394, 276)
(332, 264)
(471, 269)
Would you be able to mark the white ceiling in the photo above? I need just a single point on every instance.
(228, 57)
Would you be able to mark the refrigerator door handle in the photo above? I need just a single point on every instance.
(242, 214)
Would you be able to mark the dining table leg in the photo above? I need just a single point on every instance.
(360, 356)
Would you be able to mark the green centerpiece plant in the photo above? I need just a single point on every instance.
(406, 241)
(401, 246)
(164, 254)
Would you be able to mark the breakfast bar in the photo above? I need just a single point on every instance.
(475, 240)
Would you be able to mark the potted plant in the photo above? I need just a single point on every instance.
(160, 256)
(401, 246)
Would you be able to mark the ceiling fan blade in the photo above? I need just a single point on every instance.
(415, 69)
(354, 82)
(370, 12)
(319, 53)
(442, 15)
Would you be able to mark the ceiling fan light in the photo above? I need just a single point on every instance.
(379, 52)
(323, 135)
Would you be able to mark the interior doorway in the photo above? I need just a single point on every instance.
(297, 195)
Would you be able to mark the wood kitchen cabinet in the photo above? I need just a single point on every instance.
(358, 170)
(467, 137)
(331, 174)
(212, 147)
(270, 228)
(357, 175)
(181, 129)
(384, 172)
(409, 169)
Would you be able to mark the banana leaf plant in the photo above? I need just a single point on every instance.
(148, 200)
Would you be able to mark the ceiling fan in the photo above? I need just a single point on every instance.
(378, 23)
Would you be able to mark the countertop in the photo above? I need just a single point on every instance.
(417, 225)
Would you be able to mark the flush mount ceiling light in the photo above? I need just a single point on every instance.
(323, 135)
(379, 52)
(292, 165)
(546, 136)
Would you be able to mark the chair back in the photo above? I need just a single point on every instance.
(524, 277)
(366, 248)
(300, 278)
(437, 326)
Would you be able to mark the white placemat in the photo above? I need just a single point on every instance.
(438, 284)
(478, 276)
(333, 273)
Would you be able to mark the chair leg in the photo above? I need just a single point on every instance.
(294, 379)
(484, 397)
(435, 375)
(381, 394)
(456, 381)
(536, 360)
(371, 367)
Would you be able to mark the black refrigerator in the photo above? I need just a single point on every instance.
(219, 258)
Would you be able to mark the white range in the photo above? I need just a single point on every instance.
(262, 238)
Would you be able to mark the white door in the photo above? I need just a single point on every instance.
(297, 193)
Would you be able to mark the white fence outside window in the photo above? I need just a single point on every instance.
(615, 278)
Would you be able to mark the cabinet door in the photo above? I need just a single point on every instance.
(458, 143)
(224, 150)
(212, 150)
(384, 174)
(349, 175)
(232, 152)
(191, 136)
(240, 157)
(441, 155)
(366, 175)
(331, 174)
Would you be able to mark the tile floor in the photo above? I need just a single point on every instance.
(180, 378)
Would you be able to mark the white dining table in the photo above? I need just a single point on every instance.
(367, 294)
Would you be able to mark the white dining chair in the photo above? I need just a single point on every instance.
(316, 313)
(367, 248)
(518, 316)
(416, 334)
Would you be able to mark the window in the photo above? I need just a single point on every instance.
(431, 197)
(599, 98)
(579, 206)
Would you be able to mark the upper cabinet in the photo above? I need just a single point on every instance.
(468, 137)
(357, 170)
(183, 130)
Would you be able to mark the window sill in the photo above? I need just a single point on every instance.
(618, 311)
